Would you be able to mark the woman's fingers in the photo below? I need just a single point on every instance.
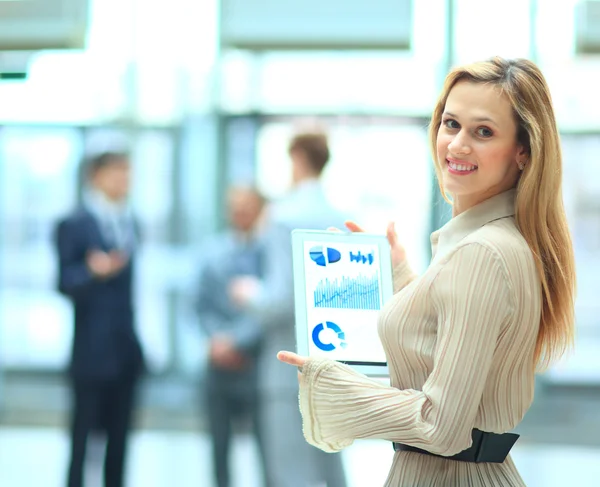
(398, 252)
(392, 236)
(353, 227)
(291, 358)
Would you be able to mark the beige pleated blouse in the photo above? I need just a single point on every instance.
(460, 343)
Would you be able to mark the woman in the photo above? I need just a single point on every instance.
(464, 340)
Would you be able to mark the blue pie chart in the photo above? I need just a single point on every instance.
(322, 255)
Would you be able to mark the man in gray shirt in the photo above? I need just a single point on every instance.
(290, 460)
(234, 336)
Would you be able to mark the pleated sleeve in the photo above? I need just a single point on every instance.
(403, 275)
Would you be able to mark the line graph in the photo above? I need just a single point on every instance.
(361, 292)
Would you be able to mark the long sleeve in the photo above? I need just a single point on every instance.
(208, 315)
(403, 275)
(74, 277)
(473, 301)
(246, 334)
(275, 300)
(214, 318)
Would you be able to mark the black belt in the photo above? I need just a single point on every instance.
(486, 448)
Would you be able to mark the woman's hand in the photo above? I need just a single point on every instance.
(292, 359)
(397, 251)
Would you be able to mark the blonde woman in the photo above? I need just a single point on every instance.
(464, 340)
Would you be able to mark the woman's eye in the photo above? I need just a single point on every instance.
(484, 132)
(451, 124)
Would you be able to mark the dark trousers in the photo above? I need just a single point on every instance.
(230, 397)
(104, 405)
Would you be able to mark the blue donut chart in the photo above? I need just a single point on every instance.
(328, 347)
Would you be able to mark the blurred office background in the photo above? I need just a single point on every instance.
(206, 93)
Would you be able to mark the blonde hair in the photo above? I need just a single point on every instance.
(539, 211)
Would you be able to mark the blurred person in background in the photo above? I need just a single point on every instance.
(291, 461)
(465, 339)
(96, 245)
(234, 335)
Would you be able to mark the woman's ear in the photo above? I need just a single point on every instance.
(522, 157)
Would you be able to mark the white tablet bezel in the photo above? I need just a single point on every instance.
(372, 369)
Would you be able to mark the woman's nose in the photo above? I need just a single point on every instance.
(459, 144)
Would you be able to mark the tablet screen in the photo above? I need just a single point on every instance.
(343, 298)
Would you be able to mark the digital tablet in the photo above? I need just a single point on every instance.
(341, 282)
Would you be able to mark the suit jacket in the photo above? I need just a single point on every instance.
(105, 345)
(224, 258)
(306, 207)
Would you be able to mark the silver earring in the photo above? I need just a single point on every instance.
(521, 165)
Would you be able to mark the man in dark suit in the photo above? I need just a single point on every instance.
(234, 337)
(96, 245)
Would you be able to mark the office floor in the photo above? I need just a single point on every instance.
(37, 457)
(559, 447)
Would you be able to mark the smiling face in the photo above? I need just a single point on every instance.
(477, 144)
